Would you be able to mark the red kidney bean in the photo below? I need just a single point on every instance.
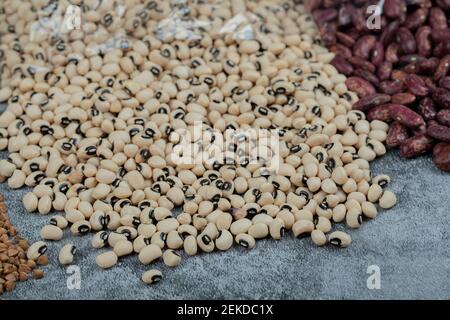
(442, 68)
(363, 47)
(399, 75)
(427, 66)
(423, 41)
(416, 146)
(437, 18)
(359, 20)
(377, 56)
(441, 49)
(384, 70)
(381, 112)
(417, 18)
(396, 135)
(366, 103)
(393, 8)
(388, 33)
(345, 15)
(429, 83)
(325, 15)
(427, 109)
(416, 85)
(440, 35)
(345, 39)
(358, 62)
(445, 83)
(367, 75)
(360, 86)
(342, 65)
(341, 50)
(403, 98)
(438, 131)
(406, 41)
(391, 52)
(328, 33)
(391, 87)
(405, 115)
(443, 4)
(441, 156)
(443, 117)
(410, 58)
(442, 97)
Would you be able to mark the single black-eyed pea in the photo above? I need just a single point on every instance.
(171, 258)
(123, 248)
(302, 227)
(199, 222)
(36, 250)
(240, 226)
(115, 237)
(152, 276)
(149, 254)
(276, 228)
(167, 225)
(186, 229)
(382, 180)
(318, 237)
(174, 240)
(224, 221)
(51, 232)
(30, 201)
(66, 254)
(287, 217)
(205, 243)
(323, 224)
(369, 210)
(59, 221)
(353, 218)
(245, 240)
(159, 238)
(80, 227)
(224, 240)
(387, 200)
(190, 245)
(339, 239)
(106, 260)
(258, 230)
(339, 213)
(146, 230)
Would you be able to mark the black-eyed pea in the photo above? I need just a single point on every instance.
(339, 239)
(146, 230)
(186, 230)
(44, 204)
(140, 242)
(262, 218)
(387, 200)
(369, 210)
(161, 213)
(149, 254)
(224, 240)
(303, 215)
(184, 218)
(205, 243)
(159, 238)
(302, 227)
(167, 225)
(123, 248)
(66, 254)
(240, 226)
(113, 219)
(130, 232)
(245, 240)
(51, 232)
(59, 221)
(374, 193)
(363, 187)
(382, 180)
(80, 227)
(258, 230)
(277, 229)
(199, 222)
(152, 276)
(115, 237)
(106, 260)
(174, 240)
(17, 180)
(287, 217)
(353, 218)
(323, 224)
(224, 221)
(314, 184)
(30, 202)
(339, 213)
(350, 186)
(36, 250)
(100, 239)
(358, 196)
(190, 245)
(171, 258)
(318, 237)
(329, 186)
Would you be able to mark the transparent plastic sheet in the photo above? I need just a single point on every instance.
(56, 37)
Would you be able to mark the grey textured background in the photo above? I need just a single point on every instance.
(410, 244)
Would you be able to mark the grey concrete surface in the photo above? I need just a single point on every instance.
(409, 243)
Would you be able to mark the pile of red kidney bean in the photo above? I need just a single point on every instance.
(400, 70)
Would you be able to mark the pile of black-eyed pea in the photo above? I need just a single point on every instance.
(93, 118)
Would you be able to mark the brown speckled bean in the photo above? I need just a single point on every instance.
(416, 146)
(368, 102)
(443, 117)
(427, 109)
(405, 115)
(362, 87)
(441, 156)
(438, 131)
(396, 135)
